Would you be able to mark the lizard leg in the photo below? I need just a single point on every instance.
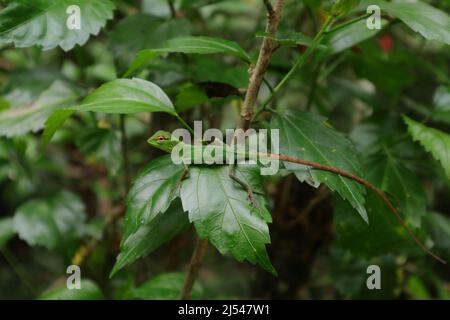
(250, 192)
(184, 175)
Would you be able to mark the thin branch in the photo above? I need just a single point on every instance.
(173, 12)
(366, 184)
(265, 54)
(194, 268)
(184, 123)
(269, 7)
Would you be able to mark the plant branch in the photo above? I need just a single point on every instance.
(269, 7)
(366, 184)
(256, 80)
(173, 12)
(265, 54)
(194, 268)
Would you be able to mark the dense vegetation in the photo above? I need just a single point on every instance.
(85, 83)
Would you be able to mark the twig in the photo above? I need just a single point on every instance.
(185, 124)
(365, 183)
(269, 7)
(194, 268)
(257, 74)
(173, 12)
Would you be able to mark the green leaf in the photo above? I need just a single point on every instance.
(44, 22)
(350, 36)
(101, 146)
(307, 136)
(189, 97)
(207, 69)
(196, 45)
(349, 274)
(54, 222)
(24, 86)
(226, 216)
(434, 141)
(166, 286)
(430, 22)
(125, 96)
(89, 291)
(391, 176)
(383, 235)
(152, 192)
(417, 289)
(19, 121)
(7, 231)
(148, 32)
(54, 122)
(151, 235)
(150, 219)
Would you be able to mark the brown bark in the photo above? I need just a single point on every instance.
(257, 73)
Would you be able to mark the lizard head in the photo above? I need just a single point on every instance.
(163, 141)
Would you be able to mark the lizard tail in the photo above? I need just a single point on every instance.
(368, 185)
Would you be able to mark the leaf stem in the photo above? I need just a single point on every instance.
(347, 23)
(194, 268)
(185, 124)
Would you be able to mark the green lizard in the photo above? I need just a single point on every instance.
(163, 141)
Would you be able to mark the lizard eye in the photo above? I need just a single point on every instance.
(161, 138)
